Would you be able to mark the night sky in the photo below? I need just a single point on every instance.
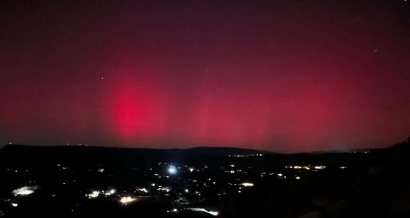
(285, 76)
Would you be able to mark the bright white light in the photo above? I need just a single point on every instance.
(164, 189)
(232, 171)
(343, 167)
(186, 190)
(232, 165)
(279, 174)
(247, 184)
(297, 177)
(152, 184)
(126, 200)
(26, 190)
(174, 210)
(142, 190)
(172, 170)
(14, 204)
(110, 192)
(213, 213)
(191, 169)
(94, 194)
(101, 170)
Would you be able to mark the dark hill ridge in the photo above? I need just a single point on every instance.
(202, 150)
(32, 154)
(24, 153)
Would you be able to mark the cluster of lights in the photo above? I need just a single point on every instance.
(245, 155)
(142, 190)
(174, 210)
(319, 167)
(126, 200)
(164, 189)
(94, 194)
(295, 167)
(112, 191)
(26, 190)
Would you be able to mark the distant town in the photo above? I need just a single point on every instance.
(92, 180)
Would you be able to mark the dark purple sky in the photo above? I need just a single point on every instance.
(284, 76)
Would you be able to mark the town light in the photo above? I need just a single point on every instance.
(172, 170)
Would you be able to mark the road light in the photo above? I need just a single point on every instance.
(172, 170)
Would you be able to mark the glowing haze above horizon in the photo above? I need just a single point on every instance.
(284, 76)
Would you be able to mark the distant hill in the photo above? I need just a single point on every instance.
(397, 153)
(200, 150)
(25, 153)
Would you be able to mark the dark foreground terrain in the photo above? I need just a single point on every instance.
(202, 182)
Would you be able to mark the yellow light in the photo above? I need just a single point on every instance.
(94, 194)
(126, 200)
(247, 184)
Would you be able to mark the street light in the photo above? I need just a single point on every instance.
(172, 170)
